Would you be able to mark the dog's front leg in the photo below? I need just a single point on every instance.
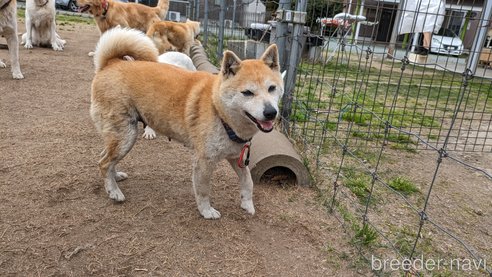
(55, 42)
(202, 172)
(28, 41)
(246, 186)
(13, 44)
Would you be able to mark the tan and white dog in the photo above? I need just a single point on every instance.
(8, 29)
(41, 25)
(174, 36)
(216, 115)
(180, 60)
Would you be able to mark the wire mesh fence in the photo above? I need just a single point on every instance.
(386, 124)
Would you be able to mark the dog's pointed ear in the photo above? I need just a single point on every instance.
(230, 64)
(270, 57)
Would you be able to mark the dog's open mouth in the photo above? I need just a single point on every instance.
(84, 8)
(264, 126)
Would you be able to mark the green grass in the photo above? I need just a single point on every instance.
(358, 186)
(365, 236)
(63, 19)
(404, 240)
(403, 185)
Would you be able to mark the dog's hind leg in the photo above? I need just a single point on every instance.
(202, 172)
(246, 186)
(118, 144)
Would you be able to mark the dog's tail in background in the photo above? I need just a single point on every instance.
(163, 8)
(118, 43)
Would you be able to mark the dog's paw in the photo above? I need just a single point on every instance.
(149, 133)
(210, 213)
(116, 195)
(17, 75)
(91, 54)
(114, 192)
(120, 176)
(2, 64)
(248, 206)
(28, 45)
(57, 47)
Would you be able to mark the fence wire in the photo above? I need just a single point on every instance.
(375, 118)
(370, 101)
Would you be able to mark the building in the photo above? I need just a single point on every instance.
(462, 17)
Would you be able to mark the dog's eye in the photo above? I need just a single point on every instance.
(272, 88)
(247, 93)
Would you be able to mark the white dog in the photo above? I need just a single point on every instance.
(41, 26)
(8, 29)
(180, 60)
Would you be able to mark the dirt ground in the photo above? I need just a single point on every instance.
(56, 219)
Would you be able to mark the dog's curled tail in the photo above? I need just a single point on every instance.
(118, 42)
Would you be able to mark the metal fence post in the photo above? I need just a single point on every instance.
(293, 61)
(205, 23)
(197, 9)
(220, 40)
(480, 37)
(281, 31)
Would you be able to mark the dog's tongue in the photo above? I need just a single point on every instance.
(266, 125)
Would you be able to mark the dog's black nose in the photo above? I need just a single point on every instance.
(269, 112)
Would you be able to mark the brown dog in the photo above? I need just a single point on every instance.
(109, 14)
(215, 115)
(168, 35)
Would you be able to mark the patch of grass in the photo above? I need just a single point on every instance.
(347, 215)
(63, 19)
(404, 240)
(432, 137)
(404, 147)
(361, 119)
(367, 155)
(21, 13)
(403, 185)
(359, 186)
(400, 138)
(365, 235)
(331, 126)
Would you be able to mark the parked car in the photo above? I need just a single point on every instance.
(446, 42)
(70, 5)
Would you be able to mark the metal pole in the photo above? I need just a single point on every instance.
(281, 34)
(357, 29)
(394, 33)
(233, 15)
(197, 10)
(480, 38)
(205, 24)
(220, 45)
(295, 54)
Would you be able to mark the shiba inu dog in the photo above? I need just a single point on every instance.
(8, 29)
(215, 115)
(180, 60)
(174, 36)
